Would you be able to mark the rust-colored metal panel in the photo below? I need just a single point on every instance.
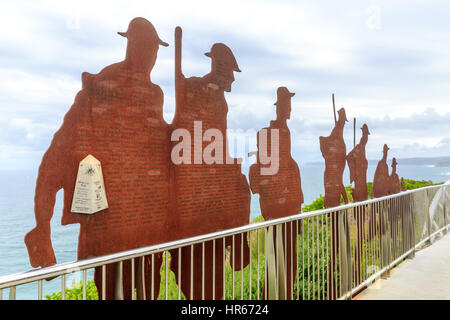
(280, 194)
(394, 181)
(357, 164)
(380, 186)
(206, 197)
(402, 184)
(118, 118)
(334, 152)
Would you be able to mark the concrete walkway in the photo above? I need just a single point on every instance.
(427, 276)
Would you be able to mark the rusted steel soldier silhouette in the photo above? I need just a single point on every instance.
(117, 117)
(394, 183)
(402, 184)
(380, 186)
(357, 164)
(208, 196)
(393, 188)
(280, 194)
(334, 152)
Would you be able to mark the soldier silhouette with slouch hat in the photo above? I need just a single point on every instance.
(280, 193)
(117, 117)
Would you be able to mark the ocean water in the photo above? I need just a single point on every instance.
(17, 218)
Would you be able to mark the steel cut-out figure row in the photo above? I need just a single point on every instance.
(334, 152)
(118, 118)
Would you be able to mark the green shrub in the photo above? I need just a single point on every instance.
(76, 292)
(415, 184)
(315, 205)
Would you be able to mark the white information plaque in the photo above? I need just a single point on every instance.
(90, 195)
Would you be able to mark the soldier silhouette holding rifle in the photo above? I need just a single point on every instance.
(208, 195)
(334, 152)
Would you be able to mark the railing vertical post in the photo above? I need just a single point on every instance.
(327, 259)
(12, 293)
(323, 259)
(385, 237)
(265, 265)
(152, 292)
(242, 265)
(140, 287)
(119, 281)
(39, 290)
(406, 224)
(132, 279)
(84, 286)
(313, 261)
(350, 271)
(223, 269)
(249, 266)
(446, 207)
(63, 287)
(214, 271)
(166, 275)
(203, 270)
(233, 252)
(257, 264)
(303, 258)
(179, 273)
(192, 274)
(444, 202)
(428, 218)
(104, 282)
(412, 234)
(291, 285)
(344, 250)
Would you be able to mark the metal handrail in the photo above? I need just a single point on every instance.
(391, 265)
(13, 280)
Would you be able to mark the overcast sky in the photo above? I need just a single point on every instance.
(388, 63)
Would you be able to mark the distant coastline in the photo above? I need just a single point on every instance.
(423, 161)
(443, 164)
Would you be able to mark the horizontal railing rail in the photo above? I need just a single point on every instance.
(335, 253)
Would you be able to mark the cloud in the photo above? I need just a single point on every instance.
(387, 63)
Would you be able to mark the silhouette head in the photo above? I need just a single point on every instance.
(223, 64)
(385, 149)
(143, 43)
(283, 103)
(394, 163)
(365, 129)
(342, 115)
